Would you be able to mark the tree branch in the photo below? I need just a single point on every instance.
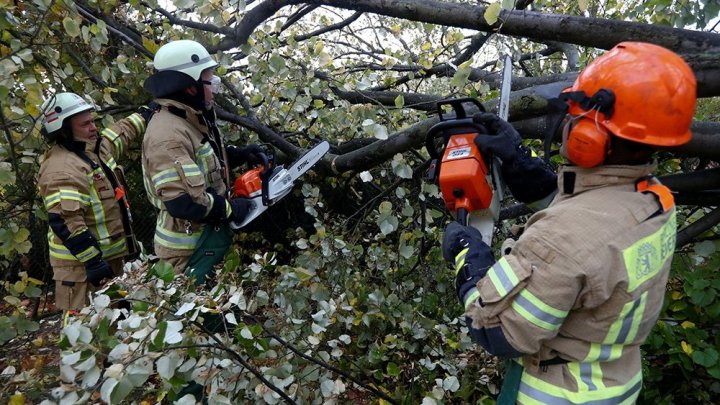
(707, 222)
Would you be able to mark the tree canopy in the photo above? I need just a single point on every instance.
(364, 75)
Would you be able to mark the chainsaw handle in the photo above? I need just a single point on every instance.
(445, 129)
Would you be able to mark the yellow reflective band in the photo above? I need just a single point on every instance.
(625, 327)
(470, 297)
(645, 258)
(537, 312)
(165, 176)
(177, 240)
(588, 375)
(503, 277)
(113, 249)
(204, 154)
(113, 137)
(228, 208)
(460, 260)
(150, 192)
(65, 194)
(535, 391)
(138, 122)
(58, 251)
(111, 163)
(191, 170)
(88, 254)
(99, 214)
(109, 250)
(604, 352)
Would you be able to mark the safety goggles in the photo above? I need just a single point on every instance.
(214, 84)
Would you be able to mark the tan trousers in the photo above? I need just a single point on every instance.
(71, 288)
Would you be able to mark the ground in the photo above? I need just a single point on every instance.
(30, 364)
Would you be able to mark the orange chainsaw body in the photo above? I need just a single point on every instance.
(464, 175)
(248, 184)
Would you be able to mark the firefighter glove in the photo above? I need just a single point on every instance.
(464, 247)
(146, 113)
(505, 143)
(240, 208)
(83, 246)
(97, 270)
(238, 156)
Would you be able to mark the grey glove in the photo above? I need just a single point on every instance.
(504, 143)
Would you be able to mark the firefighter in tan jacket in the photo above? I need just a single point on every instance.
(572, 300)
(185, 163)
(83, 191)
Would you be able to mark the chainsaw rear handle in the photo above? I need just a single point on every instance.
(451, 125)
(445, 129)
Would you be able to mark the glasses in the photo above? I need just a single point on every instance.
(214, 84)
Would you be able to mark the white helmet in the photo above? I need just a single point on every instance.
(184, 56)
(58, 108)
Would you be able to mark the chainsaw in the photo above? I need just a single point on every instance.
(469, 180)
(267, 183)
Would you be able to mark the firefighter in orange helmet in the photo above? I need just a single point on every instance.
(83, 190)
(573, 298)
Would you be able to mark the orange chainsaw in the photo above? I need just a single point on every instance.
(468, 180)
(268, 182)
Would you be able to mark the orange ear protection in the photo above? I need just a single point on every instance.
(588, 142)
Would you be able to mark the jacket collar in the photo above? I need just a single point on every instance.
(191, 115)
(574, 179)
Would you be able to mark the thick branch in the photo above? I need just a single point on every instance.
(698, 227)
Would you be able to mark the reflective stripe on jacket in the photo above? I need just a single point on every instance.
(585, 282)
(178, 159)
(84, 196)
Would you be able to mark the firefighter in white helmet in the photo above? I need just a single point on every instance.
(571, 301)
(186, 164)
(84, 193)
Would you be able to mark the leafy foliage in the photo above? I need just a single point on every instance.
(342, 297)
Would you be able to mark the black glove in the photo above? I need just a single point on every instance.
(470, 265)
(240, 208)
(239, 156)
(529, 178)
(146, 113)
(504, 143)
(83, 246)
(97, 270)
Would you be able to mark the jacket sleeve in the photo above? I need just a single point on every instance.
(176, 179)
(527, 293)
(122, 133)
(66, 198)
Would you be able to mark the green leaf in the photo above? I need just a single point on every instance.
(492, 12)
(705, 358)
(164, 271)
(393, 369)
(71, 27)
(399, 101)
(705, 248)
(277, 63)
(7, 175)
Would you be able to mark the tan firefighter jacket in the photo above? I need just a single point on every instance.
(178, 158)
(85, 194)
(585, 283)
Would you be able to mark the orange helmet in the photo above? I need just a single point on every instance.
(642, 92)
